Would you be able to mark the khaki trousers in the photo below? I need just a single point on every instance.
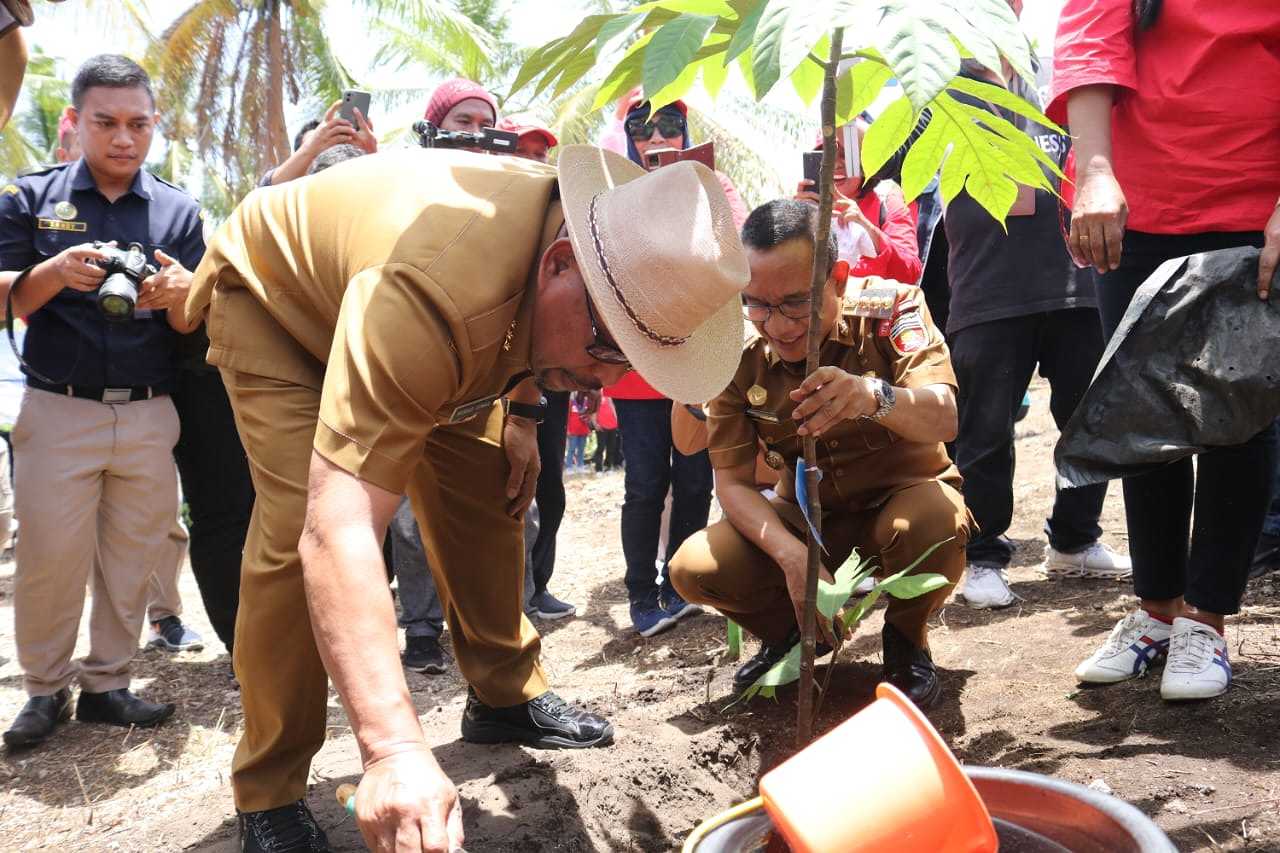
(163, 597)
(91, 479)
(474, 548)
(720, 568)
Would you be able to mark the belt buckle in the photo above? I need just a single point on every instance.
(117, 395)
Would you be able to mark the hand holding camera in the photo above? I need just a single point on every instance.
(79, 267)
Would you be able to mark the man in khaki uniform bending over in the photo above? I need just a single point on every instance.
(366, 320)
(880, 405)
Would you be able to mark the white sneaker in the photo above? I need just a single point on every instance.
(1136, 642)
(1096, 561)
(986, 587)
(1198, 667)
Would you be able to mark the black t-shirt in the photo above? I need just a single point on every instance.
(994, 275)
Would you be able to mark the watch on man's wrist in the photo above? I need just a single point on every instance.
(536, 412)
(885, 399)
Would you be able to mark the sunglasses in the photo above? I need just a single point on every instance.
(669, 126)
(603, 349)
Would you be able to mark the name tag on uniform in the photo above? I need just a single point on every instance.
(59, 225)
(467, 411)
(876, 302)
(763, 415)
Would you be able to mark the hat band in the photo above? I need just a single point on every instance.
(657, 338)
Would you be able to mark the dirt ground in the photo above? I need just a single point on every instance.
(1208, 773)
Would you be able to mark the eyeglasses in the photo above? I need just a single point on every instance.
(603, 349)
(792, 309)
(670, 126)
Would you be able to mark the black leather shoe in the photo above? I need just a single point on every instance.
(547, 722)
(38, 718)
(287, 829)
(768, 656)
(910, 669)
(121, 708)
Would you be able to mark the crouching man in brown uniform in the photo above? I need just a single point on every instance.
(880, 405)
(366, 320)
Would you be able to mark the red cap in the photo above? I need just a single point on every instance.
(523, 125)
(65, 124)
(450, 93)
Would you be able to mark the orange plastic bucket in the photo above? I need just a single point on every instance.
(881, 781)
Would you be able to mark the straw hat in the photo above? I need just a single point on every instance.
(663, 265)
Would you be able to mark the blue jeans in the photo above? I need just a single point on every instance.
(652, 466)
(421, 614)
(577, 451)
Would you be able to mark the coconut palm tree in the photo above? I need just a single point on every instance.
(225, 69)
(30, 139)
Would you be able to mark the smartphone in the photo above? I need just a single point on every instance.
(852, 151)
(354, 99)
(812, 167)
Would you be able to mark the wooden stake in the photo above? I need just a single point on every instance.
(805, 721)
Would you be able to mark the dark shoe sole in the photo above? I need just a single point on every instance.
(554, 614)
(426, 668)
(162, 643)
(501, 733)
(15, 740)
(147, 723)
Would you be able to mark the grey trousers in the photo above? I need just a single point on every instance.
(421, 614)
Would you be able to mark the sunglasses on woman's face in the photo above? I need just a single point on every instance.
(669, 126)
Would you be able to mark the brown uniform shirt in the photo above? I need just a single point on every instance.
(398, 284)
(862, 462)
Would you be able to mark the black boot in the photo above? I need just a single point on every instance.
(287, 829)
(38, 718)
(121, 708)
(423, 654)
(910, 669)
(547, 722)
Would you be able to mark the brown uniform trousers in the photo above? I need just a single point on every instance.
(475, 552)
(720, 568)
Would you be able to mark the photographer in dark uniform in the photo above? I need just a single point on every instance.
(94, 441)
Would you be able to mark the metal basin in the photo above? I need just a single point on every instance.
(1032, 814)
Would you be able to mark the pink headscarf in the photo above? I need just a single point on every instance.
(450, 93)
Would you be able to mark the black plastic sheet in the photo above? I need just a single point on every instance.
(1194, 364)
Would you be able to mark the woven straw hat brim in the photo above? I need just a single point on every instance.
(692, 372)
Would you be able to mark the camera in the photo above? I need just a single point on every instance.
(125, 270)
(497, 141)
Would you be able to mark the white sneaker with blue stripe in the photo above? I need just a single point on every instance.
(1136, 642)
(1198, 667)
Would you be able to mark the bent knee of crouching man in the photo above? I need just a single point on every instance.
(690, 567)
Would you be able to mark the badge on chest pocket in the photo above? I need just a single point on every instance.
(473, 409)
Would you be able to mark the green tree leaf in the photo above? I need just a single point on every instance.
(807, 78)
(858, 87)
(616, 32)
(745, 31)
(668, 55)
(886, 134)
(919, 50)
(787, 33)
(714, 75)
(1002, 97)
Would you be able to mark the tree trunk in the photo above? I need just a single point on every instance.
(277, 134)
(805, 721)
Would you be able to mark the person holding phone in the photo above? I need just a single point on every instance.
(320, 135)
(1175, 108)
(877, 207)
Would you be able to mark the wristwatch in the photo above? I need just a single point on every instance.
(536, 412)
(885, 399)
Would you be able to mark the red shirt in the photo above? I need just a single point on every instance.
(1195, 130)
(899, 258)
(577, 426)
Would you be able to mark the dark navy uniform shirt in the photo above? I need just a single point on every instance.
(68, 339)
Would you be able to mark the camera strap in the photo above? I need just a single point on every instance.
(8, 326)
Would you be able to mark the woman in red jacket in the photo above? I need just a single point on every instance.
(877, 207)
(1175, 107)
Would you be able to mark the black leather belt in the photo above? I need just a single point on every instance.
(127, 394)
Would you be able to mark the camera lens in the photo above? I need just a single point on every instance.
(117, 297)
